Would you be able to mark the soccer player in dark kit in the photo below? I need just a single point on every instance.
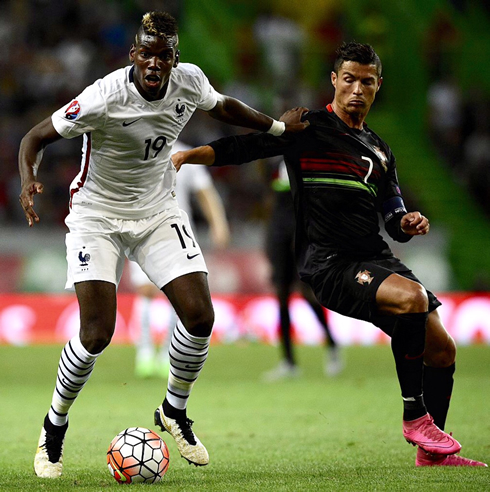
(342, 175)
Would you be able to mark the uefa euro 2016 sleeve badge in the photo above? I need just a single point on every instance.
(72, 111)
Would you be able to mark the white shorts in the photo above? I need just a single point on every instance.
(163, 245)
(137, 275)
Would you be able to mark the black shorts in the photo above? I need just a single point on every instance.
(349, 287)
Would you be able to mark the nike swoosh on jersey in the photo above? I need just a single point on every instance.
(189, 257)
(131, 122)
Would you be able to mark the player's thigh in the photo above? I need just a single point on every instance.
(387, 322)
(349, 287)
(98, 306)
(398, 295)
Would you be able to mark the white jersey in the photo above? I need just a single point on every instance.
(190, 179)
(126, 170)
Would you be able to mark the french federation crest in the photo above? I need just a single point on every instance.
(179, 110)
(84, 258)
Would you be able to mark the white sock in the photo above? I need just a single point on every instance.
(74, 370)
(187, 357)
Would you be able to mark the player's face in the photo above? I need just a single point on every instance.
(153, 60)
(356, 86)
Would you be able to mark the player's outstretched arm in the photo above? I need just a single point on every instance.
(199, 155)
(232, 111)
(30, 154)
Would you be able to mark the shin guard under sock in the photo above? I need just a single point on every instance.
(408, 345)
(438, 386)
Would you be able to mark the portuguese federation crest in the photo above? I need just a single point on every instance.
(364, 277)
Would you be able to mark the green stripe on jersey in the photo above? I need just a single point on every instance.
(344, 182)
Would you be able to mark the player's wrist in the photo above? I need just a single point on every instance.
(277, 128)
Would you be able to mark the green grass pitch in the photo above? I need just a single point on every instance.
(310, 434)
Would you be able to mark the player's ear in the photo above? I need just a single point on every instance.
(132, 51)
(177, 57)
(380, 81)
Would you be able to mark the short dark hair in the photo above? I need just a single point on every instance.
(357, 52)
(157, 23)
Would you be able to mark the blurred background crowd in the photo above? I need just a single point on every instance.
(433, 109)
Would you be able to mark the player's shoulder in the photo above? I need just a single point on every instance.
(113, 82)
(376, 137)
(322, 122)
(187, 70)
(321, 115)
(188, 80)
(315, 113)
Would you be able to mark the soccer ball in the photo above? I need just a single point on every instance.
(137, 455)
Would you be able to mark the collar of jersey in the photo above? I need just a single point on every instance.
(134, 90)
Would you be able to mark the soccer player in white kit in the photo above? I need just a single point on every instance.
(122, 203)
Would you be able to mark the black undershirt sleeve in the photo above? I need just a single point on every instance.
(393, 228)
(239, 149)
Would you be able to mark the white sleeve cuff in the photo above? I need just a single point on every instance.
(277, 128)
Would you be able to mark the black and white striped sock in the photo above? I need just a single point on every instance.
(187, 357)
(74, 370)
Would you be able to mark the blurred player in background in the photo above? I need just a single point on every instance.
(192, 181)
(342, 176)
(280, 252)
(123, 204)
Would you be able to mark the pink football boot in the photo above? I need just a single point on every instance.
(427, 459)
(424, 433)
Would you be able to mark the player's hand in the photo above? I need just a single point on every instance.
(26, 199)
(200, 155)
(415, 224)
(292, 118)
(178, 159)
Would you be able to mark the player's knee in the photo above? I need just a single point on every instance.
(95, 345)
(441, 355)
(448, 356)
(415, 299)
(199, 322)
(94, 338)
